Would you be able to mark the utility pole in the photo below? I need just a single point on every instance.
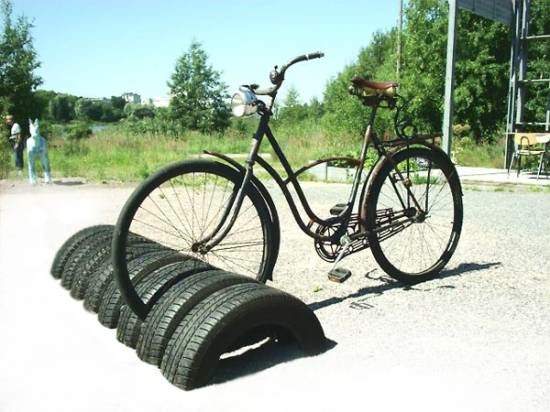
(399, 45)
(450, 79)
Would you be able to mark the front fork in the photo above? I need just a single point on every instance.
(235, 201)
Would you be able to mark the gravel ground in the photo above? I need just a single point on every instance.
(478, 338)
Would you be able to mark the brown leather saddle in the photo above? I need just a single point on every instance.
(369, 87)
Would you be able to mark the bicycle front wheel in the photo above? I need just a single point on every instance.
(183, 203)
(413, 233)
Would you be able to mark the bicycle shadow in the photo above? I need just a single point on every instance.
(68, 182)
(257, 359)
(390, 283)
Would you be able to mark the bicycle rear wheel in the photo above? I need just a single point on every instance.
(183, 203)
(411, 241)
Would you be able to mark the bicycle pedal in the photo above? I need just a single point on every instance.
(339, 275)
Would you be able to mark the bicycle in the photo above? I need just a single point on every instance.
(409, 210)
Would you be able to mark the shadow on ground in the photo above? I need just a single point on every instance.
(269, 354)
(68, 182)
(389, 284)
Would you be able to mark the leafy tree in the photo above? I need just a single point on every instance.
(315, 109)
(118, 102)
(18, 63)
(292, 110)
(97, 110)
(483, 49)
(87, 109)
(538, 94)
(61, 108)
(42, 99)
(483, 53)
(139, 111)
(198, 94)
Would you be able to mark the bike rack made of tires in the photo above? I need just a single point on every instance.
(190, 313)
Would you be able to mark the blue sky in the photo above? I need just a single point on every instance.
(106, 47)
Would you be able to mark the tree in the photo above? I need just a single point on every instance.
(87, 109)
(198, 94)
(139, 111)
(293, 110)
(538, 94)
(483, 53)
(315, 109)
(42, 99)
(18, 63)
(61, 108)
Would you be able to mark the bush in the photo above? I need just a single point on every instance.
(74, 148)
(78, 131)
(5, 157)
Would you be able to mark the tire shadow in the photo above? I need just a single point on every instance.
(257, 359)
(390, 283)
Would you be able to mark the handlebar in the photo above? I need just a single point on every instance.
(277, 76)
(309, 56)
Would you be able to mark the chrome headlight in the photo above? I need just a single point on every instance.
(244, 103)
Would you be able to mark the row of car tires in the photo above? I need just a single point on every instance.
(195, 311)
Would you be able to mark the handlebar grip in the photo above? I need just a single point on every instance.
(304, 57)
(316, 55)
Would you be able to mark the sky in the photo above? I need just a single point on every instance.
(99, 48)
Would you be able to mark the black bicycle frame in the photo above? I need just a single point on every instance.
(237, 197)
(342, 219)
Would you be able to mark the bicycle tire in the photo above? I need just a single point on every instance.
(182, 170)
(373, 193)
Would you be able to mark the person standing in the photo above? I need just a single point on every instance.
(16, 140)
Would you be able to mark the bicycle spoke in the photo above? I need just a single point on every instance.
(184, 209)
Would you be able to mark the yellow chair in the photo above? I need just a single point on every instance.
(531, 144)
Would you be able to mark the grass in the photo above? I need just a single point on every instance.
(114, 154)
(468, 153)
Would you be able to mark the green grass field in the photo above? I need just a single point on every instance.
(114, 154)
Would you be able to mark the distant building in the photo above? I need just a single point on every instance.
(132, 98)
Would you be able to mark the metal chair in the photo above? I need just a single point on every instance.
(531, 144)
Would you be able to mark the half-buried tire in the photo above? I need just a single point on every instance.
(77, 262)
(97, 257)
(215, 324)
(72, 244)
(104, 275)
(166, 314)
(150, 291)
(111, 299)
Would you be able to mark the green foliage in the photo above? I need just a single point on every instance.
(139, 111)
(78, 131)
(18, 63)
(98, 110)
(469, 153)
(5, 156)
(538, 94)
(293, 110)
(198, 93)
(343, 112)
(61, 108)
(483, 52)
(118, 103)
